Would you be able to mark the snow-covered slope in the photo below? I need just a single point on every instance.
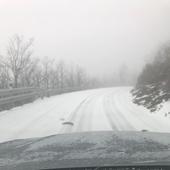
(90, 110)
(154, 97)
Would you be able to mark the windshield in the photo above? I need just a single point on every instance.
(84, 83)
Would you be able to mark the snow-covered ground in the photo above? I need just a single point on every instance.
(90, 110)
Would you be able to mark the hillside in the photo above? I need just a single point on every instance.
(154, 97)
(152, 89)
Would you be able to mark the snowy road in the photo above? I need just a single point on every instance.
(91, 110)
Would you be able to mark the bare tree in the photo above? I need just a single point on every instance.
(81, 79)
(23, 70)
(70, 76)
(61, 69)
(47, 66)
(29, 73)
(4, 76)
(18, 56)
(38, 77)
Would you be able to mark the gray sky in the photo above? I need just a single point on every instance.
(96, 34)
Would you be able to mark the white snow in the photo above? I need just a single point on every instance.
(90, 110)
(165, 110)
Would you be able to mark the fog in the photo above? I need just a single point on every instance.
(99, 35)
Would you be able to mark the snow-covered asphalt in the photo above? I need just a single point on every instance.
(89, 110)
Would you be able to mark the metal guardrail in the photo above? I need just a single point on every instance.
(14, 97)
(17, 98)
(17, 91)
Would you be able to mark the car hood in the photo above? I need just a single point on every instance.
(86, 149)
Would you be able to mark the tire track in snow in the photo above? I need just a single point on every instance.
(90, 118)
(115, 116)
(125, 122)
(147, 120)
(109, 114)
(99, 119)
(85, 120)
(77, 117)
(144, 122)
(84, 116)
(136, 118)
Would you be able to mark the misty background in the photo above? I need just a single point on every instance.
(101, 36)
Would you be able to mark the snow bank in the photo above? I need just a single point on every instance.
(154, 97)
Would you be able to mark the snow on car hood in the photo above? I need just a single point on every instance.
(86, 149)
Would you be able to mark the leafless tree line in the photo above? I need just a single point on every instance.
(18, 68)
